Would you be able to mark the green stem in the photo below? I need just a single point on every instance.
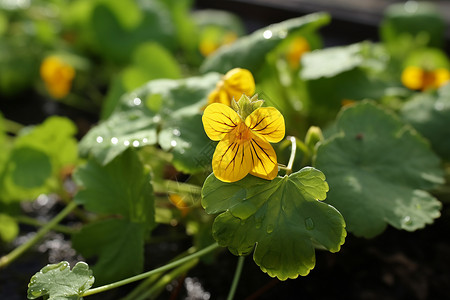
(292, 157)
(150, 273)
(7, 259)
(36, 223)
(142, 287)
(237, 275)
(175, 186)
(166, 279)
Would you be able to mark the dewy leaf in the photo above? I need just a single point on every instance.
(58, 282)
(138, 121)
(282, 217)
(122, 187)
(378, 170)
(118, 246)
(249, 52)
(430, 115)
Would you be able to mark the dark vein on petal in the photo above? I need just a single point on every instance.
(263, 150)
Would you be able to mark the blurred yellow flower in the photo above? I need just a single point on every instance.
(295, 51)
(244, 145)
(208, 45)
(233, 84)
(179, 202)
(57, 76)
(416, 78)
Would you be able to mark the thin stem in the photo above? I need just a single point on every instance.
(7, 259)
(166, 279)
(175, 186)
(150, 273)
(37, 223)
(292, 157)
(237, 275)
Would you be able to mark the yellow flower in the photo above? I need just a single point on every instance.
(416, 78)
(180, 203)
(245, 138)
(209, 45)
(233, 84)
(296, 49)
(57, 76)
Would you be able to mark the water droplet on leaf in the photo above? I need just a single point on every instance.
(407, 220)
(176, 132)
(173, 143)
(99, 139)
(267, 34)
(270, 228)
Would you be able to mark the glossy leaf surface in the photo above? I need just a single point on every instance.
(165, 112)
(249, 51)
(58, 282)
(282, 217)
(378, 171)
(430, 115)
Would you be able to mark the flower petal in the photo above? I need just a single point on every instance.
(268, 123)
(239, 81)
(218, 120)
(232, 159)
(264, 159)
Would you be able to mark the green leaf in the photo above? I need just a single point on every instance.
(9, 229)
(36, 159)
(122, 187)
(430, 115)
(378, 170)
(118, 246)
(331, 61)
(413, 19)
(249, 52)
(58, 282)
(162, 111)
(55, 136)
(117, 34)
(282, 217)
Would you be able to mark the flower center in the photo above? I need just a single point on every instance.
(243, 133)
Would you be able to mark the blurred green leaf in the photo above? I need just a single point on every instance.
(121, 187)
(9, 229)
(429, 114)
(249, 51)
(58, 282)
(117, 34)
(331, 61)
(378, 171)
(282, 217)
(36, 159)
(412, 18)
(118, 246)
(135, 122)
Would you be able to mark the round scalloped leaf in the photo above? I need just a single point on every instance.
(430, 115)
(282, 217)
(58, 282)
(378, 170)
(249, 51)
